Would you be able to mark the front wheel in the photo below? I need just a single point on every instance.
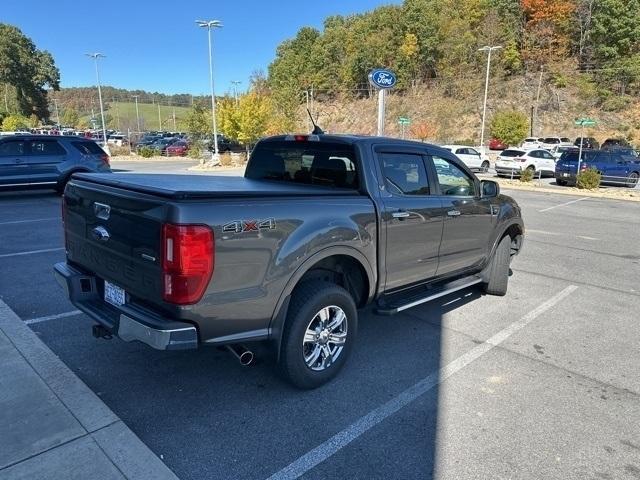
(318, 335)
(632, 180)
(485, 166)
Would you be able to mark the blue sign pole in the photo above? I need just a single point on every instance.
(382, 80)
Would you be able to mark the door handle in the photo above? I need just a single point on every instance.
(400, 214)
(453, 213)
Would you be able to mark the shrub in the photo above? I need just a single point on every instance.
(526, 176)
(559, 80)
(147, 152)
(510, 126)
(117, 151)
(15, 122)
(195, 149)
(588, 179)
(225, 159)
(615, 104)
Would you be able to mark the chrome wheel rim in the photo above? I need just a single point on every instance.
(325, 338)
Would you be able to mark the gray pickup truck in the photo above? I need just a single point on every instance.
(318, 227)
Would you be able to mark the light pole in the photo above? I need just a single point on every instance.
(486, 90)
(137, 112)
(55, 102)
(209, 24)
(95, 57)
(235, 84)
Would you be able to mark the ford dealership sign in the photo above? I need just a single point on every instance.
(382, 78)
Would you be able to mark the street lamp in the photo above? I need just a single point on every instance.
(486, 89)
(137, 112)
(235, 84)
(95, 57)
(209, 24)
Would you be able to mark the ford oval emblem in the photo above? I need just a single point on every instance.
(382, 78)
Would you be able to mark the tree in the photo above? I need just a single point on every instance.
(423, 131)
(198, 124)
(548, 24)
(13, 123)
(70, 117)
(509, 126)
(254, 114)
(28, 70)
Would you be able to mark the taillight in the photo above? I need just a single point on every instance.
(188, 257)
(583, 167)
(105, 159)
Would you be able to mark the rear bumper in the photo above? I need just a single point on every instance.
(508, 170)
(127, 322)
(565, 176)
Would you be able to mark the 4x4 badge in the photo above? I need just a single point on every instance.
(243, 226)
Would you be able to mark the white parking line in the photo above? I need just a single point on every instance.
(30, 221)
(340, 440)
(562, 204)
(31, 252)
(32, 321)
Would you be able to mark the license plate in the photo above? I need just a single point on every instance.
(114, 294)
(565, 174)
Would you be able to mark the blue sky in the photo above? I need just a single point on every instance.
(156, 46)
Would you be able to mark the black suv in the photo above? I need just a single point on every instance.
(589, 143)
(47, 161)
(615, 143)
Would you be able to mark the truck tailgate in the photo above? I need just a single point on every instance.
(116, 235)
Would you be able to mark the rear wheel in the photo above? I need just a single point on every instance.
(318, 335)
(485, 166)
(632, 180)
(497, 272)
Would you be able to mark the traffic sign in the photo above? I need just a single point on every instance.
(404, 121)
(585, 122)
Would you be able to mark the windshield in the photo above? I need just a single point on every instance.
(306, 162)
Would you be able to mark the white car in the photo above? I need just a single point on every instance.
(471, 157)
(560, 149)
(118, 140)
(550, 142)
(513, 161)
(530, 143)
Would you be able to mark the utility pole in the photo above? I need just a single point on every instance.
(535, 116)
(113, 100)
(235, 89)
(486, 90)
(55, 102)
(159, 118)
(137, 112)
(6, 97)
(175, 129)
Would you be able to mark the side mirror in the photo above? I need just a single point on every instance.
(489, 188)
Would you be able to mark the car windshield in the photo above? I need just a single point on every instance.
(530, 140)
(306, 162)
(511, 153)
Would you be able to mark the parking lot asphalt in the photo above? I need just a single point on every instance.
(542, 383)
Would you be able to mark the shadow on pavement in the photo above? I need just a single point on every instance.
(208, 416)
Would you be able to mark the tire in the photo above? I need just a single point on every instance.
(497, 272)
(562, 183)
(485, 166)
(632, 180)
(532, 168)
(297, 351)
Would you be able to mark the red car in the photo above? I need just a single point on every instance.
(178, 149)
(496, 144)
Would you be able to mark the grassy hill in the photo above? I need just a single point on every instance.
(124, 114)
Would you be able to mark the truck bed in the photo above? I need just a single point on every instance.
(208, 186)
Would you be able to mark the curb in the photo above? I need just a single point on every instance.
(123, 448)
(633, 197)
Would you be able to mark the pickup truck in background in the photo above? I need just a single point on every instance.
(318, 227)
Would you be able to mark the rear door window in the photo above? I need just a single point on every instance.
(404, 173)
(12, 148)
(308, 162)
(45, 147)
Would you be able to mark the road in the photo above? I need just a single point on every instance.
(542, 383)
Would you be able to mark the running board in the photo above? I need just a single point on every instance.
(396, 305)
